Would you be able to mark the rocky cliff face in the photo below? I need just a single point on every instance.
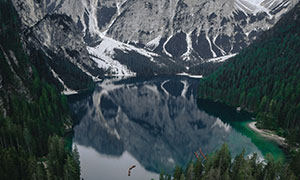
(125, 37)
(193, 30)
(57, 36)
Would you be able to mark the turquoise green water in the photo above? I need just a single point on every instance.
(156, 123)
(239, 121)
(264, 145)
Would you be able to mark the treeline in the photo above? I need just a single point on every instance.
(264, 79)
(220, 166)
(33, 115)
(205, 69)
(58, 163)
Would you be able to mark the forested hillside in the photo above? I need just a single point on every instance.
(220, 165)
(265, 79)
(33, 115)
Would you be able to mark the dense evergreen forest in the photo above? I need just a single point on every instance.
(264, 79)
(219, 165)
(33, 115)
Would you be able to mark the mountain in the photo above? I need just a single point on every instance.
(157, 121)
(91, 38)
(33, 115)
(264, 78)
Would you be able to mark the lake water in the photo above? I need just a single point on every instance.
(155, 124)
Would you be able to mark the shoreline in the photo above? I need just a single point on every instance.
(190, 75)
(268, 134)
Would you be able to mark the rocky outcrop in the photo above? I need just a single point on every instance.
(55, 38)
(210, 28)
(60, 40)
(169, 36)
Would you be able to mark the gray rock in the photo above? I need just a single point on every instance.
(187, 32)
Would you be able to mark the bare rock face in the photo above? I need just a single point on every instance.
(57, 37)
(57, 34)
(208, 28)
(169, 36)
(30, 11)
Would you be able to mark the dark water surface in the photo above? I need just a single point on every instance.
(155, 124)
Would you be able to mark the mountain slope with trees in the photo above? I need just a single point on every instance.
(264, 79)
(33, 115)
(220, 165)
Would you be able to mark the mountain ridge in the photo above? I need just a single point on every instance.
(169, 36)
(263, 78)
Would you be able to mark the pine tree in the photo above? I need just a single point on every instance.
(190, 172)
(177, 173)
(198, 168)
(295, 164)
(161, 176)
(71, 169)
(56, 158)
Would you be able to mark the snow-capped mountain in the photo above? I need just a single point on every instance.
(129, 37)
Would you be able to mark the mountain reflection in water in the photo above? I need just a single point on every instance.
(157, 121)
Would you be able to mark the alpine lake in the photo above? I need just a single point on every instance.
(155, 123)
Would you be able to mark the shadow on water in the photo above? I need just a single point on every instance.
(239, 121)
(156, 122)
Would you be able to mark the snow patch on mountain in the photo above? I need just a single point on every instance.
(220, 28)
(222, 58)
(242, 7)
(252, 6)
(214, 42)
(210, 46)
(164, 47)
(190, 75)
(186, 55)
(255, 6)
(103, 54)
(154, 43)
(66, 91)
